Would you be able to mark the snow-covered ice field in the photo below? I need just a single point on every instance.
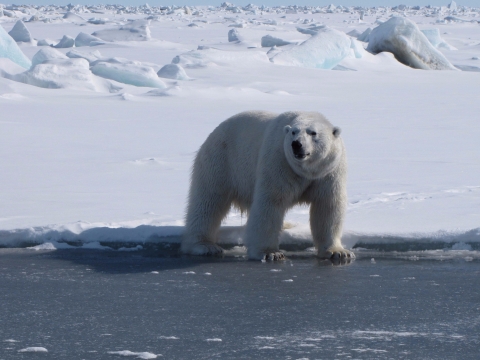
(96, 148)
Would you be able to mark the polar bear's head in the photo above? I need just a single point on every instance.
(312, 145)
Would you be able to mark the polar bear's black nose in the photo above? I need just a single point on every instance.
(296, 146)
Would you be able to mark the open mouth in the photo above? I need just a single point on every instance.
(301, 156)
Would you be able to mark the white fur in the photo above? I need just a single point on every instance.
(248, 162)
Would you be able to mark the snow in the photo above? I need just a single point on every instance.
(20, 33)
(323, 50)
(8, 68)
(93, 162)
(9, 49)
(208, 57)
(403, 38)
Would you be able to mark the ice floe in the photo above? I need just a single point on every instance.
(403, 38)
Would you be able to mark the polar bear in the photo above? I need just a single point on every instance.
(265, 163)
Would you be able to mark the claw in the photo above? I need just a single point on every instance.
(274, 256)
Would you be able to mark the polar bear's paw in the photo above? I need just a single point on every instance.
(274, 256)
(336, 253)
(205, 249)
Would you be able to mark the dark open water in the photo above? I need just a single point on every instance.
(80, 304)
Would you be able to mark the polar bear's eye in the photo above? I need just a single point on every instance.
(293, 132)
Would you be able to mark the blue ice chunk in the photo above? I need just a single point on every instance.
(9, 49)
(324, 50)
(128, 73)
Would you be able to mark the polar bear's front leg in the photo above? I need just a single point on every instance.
(263, 229)
(326, 221)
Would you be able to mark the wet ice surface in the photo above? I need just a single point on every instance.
(106, 305)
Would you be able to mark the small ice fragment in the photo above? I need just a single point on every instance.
(207, 273)
(46, 54)
(135, 248)
(65, 42)
(288, 280)
(83, 39)
(20, 33)
(374, 275)
(11, 340)
(154, 272)
(275, 270)
(45, 246)
(168, 337)
(34, 349)
(214, 340)
(461, 246)
(173, 71)
(139, 355)
(372, 260)
(189, 272)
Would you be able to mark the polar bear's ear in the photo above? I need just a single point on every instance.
(336, 131)
(287, 129)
